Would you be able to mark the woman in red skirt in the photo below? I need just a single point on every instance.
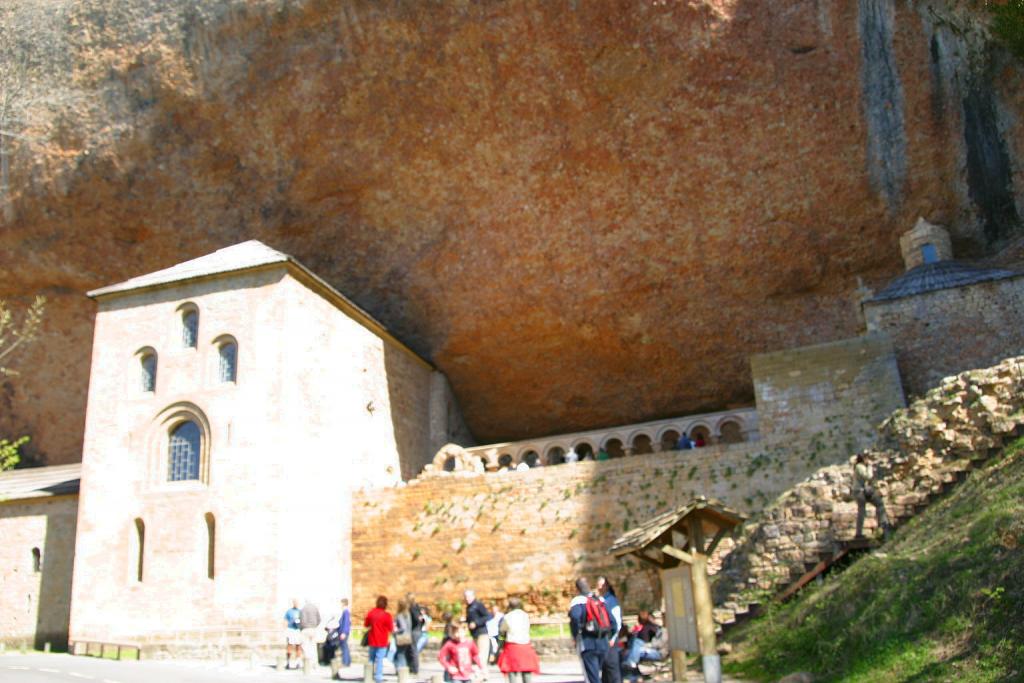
(518, 660)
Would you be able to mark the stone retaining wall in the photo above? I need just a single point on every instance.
(531, 533)
(923, 448)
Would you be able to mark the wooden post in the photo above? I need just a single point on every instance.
(46, 647)
(702, 605)
(678, 665)
(368, 672)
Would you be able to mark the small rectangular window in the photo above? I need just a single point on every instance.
(929, 253)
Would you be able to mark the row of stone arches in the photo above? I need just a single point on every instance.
(616, 444)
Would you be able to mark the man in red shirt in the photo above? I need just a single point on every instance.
(380, 626)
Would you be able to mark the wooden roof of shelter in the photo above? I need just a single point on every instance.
(687, 526)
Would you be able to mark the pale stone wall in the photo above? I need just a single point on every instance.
(831, 396)
(35, 606)
(322, 405)
(942, 333)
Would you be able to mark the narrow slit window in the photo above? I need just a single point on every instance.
(228, 352)
(190, 329)
(148, 366)
(211, 544)
(37, 560)
(140, 547)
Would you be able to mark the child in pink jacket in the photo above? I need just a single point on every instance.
(460, 658)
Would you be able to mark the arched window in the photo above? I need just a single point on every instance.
(140, 547)
(669, 440)
(189, 328)
(505, 460)
(228, 352)
(701, 436)
(614, 448)
(556, 455)
(147, 363)
(731, 432)
(37, 560)
(211, 543)
(585, 451)
(183, 452)
(642, 444)
(531, 458)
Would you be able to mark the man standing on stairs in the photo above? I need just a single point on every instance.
(865, 490)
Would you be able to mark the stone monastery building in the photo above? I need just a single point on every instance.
(252, 436)
(234, 402)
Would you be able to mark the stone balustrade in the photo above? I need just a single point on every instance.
(725, 427)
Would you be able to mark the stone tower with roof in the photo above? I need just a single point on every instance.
(235, 401)
(946, 316)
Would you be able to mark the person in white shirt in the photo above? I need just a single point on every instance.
(518, 660)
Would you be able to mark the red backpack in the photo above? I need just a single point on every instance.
(599, 622)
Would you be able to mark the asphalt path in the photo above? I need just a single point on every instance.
(61, 668)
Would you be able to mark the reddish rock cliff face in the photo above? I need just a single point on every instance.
(585, 213)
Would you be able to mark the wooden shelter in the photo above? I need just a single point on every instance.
(678, 543)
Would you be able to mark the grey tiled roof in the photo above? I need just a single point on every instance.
(40, 482)
(236, 257)
(929, 277)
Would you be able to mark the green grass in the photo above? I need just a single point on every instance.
(943, 601)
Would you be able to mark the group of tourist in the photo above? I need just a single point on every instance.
(609, 650)
(306, 631)
(465, 648)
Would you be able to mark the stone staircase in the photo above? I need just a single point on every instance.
(923, 451)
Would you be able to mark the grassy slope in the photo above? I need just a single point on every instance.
(945, 602)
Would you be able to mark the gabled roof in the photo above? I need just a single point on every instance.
(40, 482)
(243, 256)
(930, 277)
(247, 256)
(648, 532)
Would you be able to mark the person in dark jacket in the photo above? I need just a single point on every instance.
(593, 647)
(611, 671)
(344, 631)
(477, 617)
(420, 621)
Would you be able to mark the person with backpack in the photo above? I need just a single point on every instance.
(611, 672)
(591, 627)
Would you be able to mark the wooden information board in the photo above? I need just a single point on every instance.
(680, 616)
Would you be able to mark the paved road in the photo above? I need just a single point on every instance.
(58, 668)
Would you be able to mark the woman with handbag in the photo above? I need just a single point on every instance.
(405, 648)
